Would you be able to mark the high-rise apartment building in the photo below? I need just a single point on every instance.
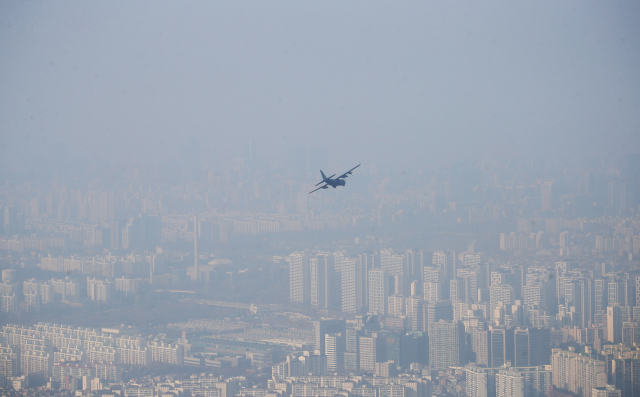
(576, 295)
(166, 353)
(614, 324)
(523, 381)
(457, 290)
(351, 276)
(432, 274)
(601, 300)
(8, 362)
(325, 287)
(299, 289)
(99, 290)
(631, 334)
(126, 285)
(413, 263)
(446, 262)
(500, 293)
(577, 373)
(470, 278)
(372, 350)
(378, 291)
(392, 263)
(317, 272)
(446, 344)
(415, 311)
(432, 291)
(481, 382)
(396, 306)
(36, 357)
(480, 345)
(9, 303)
(366, 264)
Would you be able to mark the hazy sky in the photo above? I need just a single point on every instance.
(387, 82)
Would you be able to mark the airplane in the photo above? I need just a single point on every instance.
(335, 182)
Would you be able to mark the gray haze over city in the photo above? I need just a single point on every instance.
(158, 237)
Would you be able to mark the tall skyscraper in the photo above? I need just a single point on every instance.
(457, 290)
(372, 350)
(378, 291)
(446, 261)
(619, 291)
(625, 374)
(480, 345)
(366, 264)
(614, 324)
(414, 348)
(436, 311)
(501, 347)
(532, 347)
(299, 278)
(576, 294)
(415, 311)
(446, 344)
(351, 286)
(317, 269)
(601, 300)
(412, 265)
(326, 326)
(323, 284)
(335, 347)
(470, 278)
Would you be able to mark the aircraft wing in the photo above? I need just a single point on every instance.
(321, 187)
(348, 172)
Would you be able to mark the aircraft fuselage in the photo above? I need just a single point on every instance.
(335, 182)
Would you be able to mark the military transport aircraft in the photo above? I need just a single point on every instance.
(335, 182)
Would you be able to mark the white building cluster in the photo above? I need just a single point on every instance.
(51, 350)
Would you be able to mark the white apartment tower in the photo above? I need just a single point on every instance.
(523, 381)
(351, 276)
(318, 269)
(335, 346)
(298, 278)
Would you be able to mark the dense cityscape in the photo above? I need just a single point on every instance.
(329, 198)
(475, 280)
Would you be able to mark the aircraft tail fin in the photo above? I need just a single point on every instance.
(323, 176)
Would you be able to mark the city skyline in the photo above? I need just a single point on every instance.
(158, 236)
